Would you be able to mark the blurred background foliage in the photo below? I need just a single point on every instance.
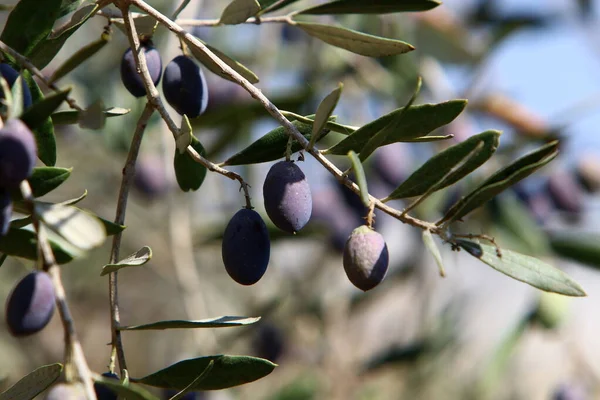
(529, 68)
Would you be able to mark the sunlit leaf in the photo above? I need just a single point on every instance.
(501, 180)
(139, 258)
(41, 110)
(271, 146)
(530, 270)
(324, 111)
(433, 250)
(77, 227)
(356, 42)
(72, 116)
(417, 121)
(437, 167)
(219, 322)
(33, 383)
(361, 180)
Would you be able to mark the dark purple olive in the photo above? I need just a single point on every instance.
(269, 342)
(246, 247)
(287, 196)
(5, 211)
(18, 153)
(150, 178)
(103, 392)
(565, 192)
(366, 258)
(569, 392)
(30, 306)
(184, 87)
(131, 79)
(66, 391)
(10, 75)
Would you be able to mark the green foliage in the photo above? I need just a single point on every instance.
(219, 322)
(188, 172)
(33, 383)
(272, 145)
(227, 371)
(437, 167)
(356, 42)
(415, 122)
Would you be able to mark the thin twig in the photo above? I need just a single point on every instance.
(74, 356)
(24, 62)
(274, 111)
(154, 98)
(128, 174)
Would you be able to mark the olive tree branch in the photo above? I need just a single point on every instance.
(117, 351)
(155, 100)
(273, 110)
(74, 357)
(25, 63)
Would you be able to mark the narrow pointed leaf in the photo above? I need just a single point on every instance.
(530, 270)
(29, 24)
(214, 67)
(228, 371)
(23, 243)
(332, 126)
(43, 130)
(425, 139)
(33, 383)
(72, 117)
(433, 250)
(361, 180)
(441, 164)
(110, 227)
(371, 7)
(356, 42)
(271, 146)
(46, 51)
(238, 11)
(73, 201)
(501, 180)
(417, 121)
(219, 322)
(43, 180)
(79, 57)
(190, 174)
(39, 112)
(582, 247)
(139, 258)
(129, 392)
(324, 111)
(17, 106)
(384, 135)
(77, 227)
